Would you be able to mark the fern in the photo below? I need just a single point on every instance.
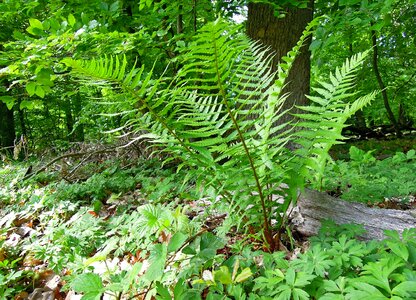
(324, 121)
(218, 117)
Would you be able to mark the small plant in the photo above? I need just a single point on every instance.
(337, 268)
(366, 179)
(12, 279)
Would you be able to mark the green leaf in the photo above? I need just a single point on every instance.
(71, 20)
(411, 154)
(403, 289)
(316, 44)
(35, 23)
(27, 104)
(31, 88)
(176, 241)
(40, 91)
(210, 241)
(180, 288)
(157, 261)
(377, 26)
(8, 100)
(290, 276)
(162, 292)
(399, 249)
(131, 276)
(95, 258)
(244, 275)
(90, 284)
(189, 250)
(223, 275)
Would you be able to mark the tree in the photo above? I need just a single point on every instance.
(281, 33)
(7, 133)
(387, 27)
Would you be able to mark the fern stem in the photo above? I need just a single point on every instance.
(268, 232)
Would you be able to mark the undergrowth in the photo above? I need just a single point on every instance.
(128, 232)
(363, 178)
(128, 248)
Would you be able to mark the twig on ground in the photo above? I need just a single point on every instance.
(89, 153)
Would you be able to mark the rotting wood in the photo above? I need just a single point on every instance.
(314, 206)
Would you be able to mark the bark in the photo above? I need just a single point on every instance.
(79, 129)
(194, 15)
(69, 120)
(22, 121)
(316, 206)
(7, 130)
(179, 21)
(281, 34)
(359, 119)
(360, 124)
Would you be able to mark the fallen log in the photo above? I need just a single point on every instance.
(314, 206)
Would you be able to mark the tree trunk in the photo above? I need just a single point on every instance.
(382, 85)
(359, 119)
(7, 130)
(79, 129)
(281, 35)
(69, 120)
(179, 21)
(315, 207)
(22, 122)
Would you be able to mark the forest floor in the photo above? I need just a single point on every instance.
(55, 217)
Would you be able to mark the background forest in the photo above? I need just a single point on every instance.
(158, 149)
(38, 97)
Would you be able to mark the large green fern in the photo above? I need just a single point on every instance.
(219, 114)
(324, 120)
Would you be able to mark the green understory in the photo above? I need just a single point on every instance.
(132, 230)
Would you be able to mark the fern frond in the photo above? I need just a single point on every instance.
(324, 121)
(218, 116)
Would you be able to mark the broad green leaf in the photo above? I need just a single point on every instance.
(132, 275)
(299, 294)
(223, 275)
(176, 241)
(180, 288)
(244, 275)
(331, 296)
(92, 296)
(285, 294)
(189, 250)
(27, 104)
(403, 289)
(40, 91)
(290, 276)
(35, 23)
(411, 154)
(88, 283)
(8, 100)
(210, 241)
(31, 88)
(399, 249)
(162, 292)
(71, 20)
(157, 261)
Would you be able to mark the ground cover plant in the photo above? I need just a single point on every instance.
(366, 179)
(159, 149)
(139, 249)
